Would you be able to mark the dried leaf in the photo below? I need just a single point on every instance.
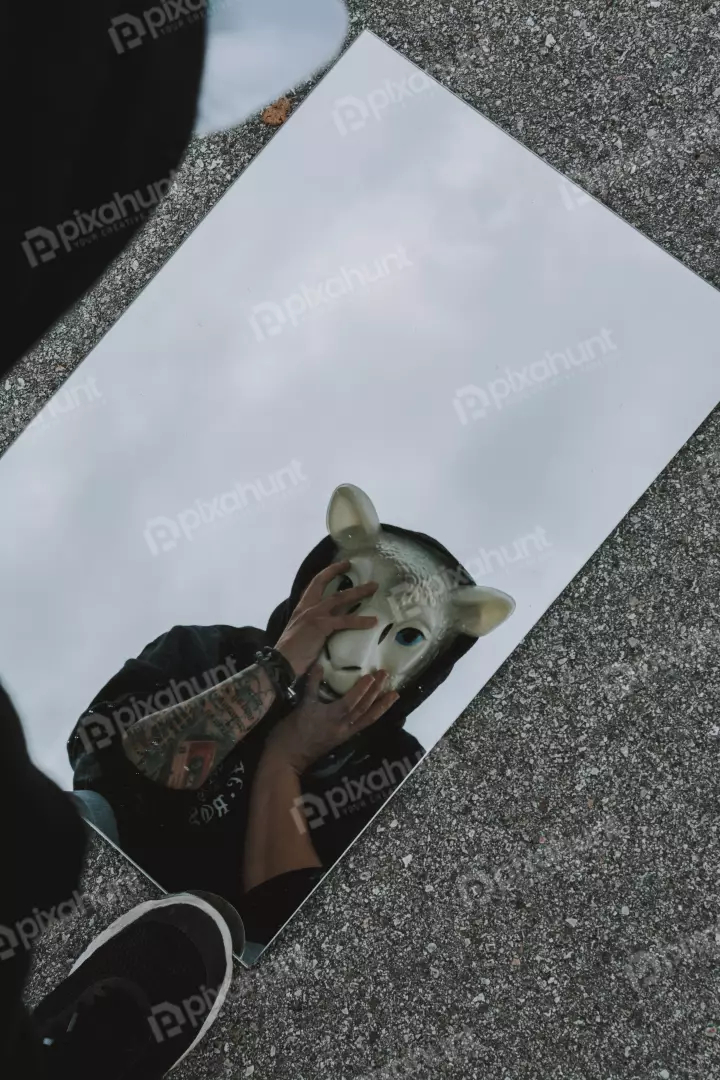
(277, 113)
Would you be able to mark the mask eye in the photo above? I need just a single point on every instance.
(345, 582)
(409, 635)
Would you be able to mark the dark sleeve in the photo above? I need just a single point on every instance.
(95, 745)
(160, 676)
(267, 907)
(396, 754)
(98, 121)
(98, 733)
(134, 692)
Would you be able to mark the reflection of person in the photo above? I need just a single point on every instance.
(253, 784)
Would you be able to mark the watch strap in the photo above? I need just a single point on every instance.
(280, 672)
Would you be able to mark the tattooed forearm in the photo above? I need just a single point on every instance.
(180, 746)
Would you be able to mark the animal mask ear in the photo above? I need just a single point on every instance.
(351, 516)
(478, 610)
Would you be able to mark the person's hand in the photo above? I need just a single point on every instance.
(315, 728)
(315, 619)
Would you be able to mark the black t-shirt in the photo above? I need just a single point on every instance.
(195, 839)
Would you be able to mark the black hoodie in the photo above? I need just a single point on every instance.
(97, 120)
(195, 839)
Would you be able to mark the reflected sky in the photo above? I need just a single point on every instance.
(217, 376)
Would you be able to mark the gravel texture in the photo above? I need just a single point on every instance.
(542, 899)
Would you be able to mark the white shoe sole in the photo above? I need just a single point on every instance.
(152, 905)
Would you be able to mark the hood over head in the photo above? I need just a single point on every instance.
(427, 604)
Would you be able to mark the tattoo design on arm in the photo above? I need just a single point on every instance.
(180, 746)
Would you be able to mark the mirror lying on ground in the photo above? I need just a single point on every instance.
(402, 361)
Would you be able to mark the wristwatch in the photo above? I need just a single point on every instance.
(280, 673)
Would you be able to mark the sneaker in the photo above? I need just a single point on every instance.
(141, 996)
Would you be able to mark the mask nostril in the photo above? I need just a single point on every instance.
(385, 632)
(351, 667)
